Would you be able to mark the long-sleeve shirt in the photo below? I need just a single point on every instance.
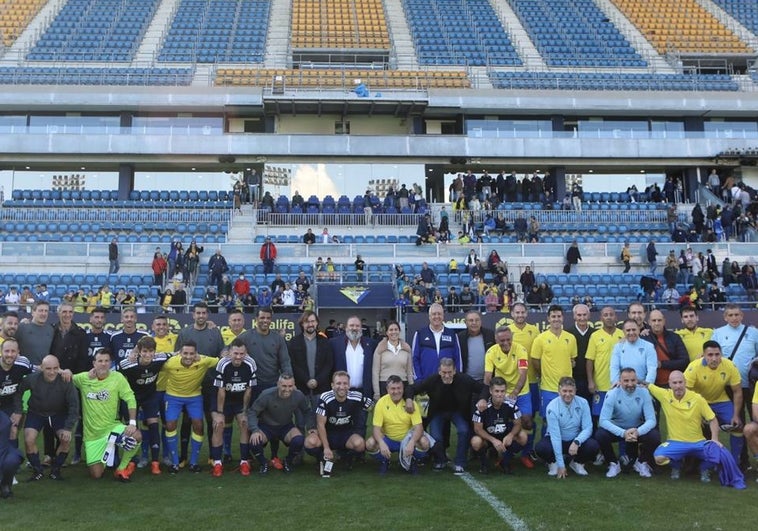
(209, 340)
(272, 410)
(270, 353)
(49, 398)
(623, 410)
(568, 422)
(639, 356)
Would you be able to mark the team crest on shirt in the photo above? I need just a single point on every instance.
(355, 293)
(637, 399)
(723, 375)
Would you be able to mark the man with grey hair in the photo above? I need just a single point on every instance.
(434, 342)
(582, 331)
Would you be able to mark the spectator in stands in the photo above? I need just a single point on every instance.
(626, 257)
(267, 202)
(491, 299)
(237, 192)
(573, 256)
(470, 261)
(452, 266)
(159, 266)
(265, 297)
(444, 230)
(192, 263)
(468, 299)
(325, 237)
(241, 286)
(12, 299)
(670, 297)
(453, 301)
(277, 285)
(576, 196)
(698, 218)
(546, 294)
(527, 279)
(297, 200)
(309, 238)
(217, 266)
(652, 255)
(727, 218)
(423, 229)
(113, 257)
(534, 298)
(268, 255)
(165, 298)
(534, 230)
(492, 261)
(303, 281)
(428, 277)
(634, 194)
(710, 266)
(402, 196)
(368, 212)
(714, 183)
(520, 226)
(750, 283)
(360, 265)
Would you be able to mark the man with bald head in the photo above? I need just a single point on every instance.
(582, 331)
(53, 402)
(684, 412)
(669, 348)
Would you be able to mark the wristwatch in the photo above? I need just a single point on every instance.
(576, 442)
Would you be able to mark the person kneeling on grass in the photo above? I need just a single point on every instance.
(101, 391)
(53, 402)
(397, 430)
(271, 419)
(684, 412)
(498, 427)
(569, 430)
(339, 424)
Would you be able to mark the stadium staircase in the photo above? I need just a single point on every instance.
(519, 36)
(15, 55)
(243, 226)
(153, 38)
(401, 35)
(278, 38)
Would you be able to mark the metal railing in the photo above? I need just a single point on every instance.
(117, 215)
(327, 219)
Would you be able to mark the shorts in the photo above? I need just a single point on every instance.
(393, 445)
(338, 440)
(545, 398)
(598, 399)
(524, 403)
(724, 411)
(150, 407)
(233, 409)
(37, 422)
(175, 404)
(276, 433)
(102, 449)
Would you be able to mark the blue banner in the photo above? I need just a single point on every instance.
(355, 295)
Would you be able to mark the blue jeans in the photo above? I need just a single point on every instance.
(114, 267)
(461, 426)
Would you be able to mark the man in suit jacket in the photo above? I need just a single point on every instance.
(311, 357)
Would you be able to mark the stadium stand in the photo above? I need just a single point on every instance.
(612, 81)
(15, 16)
(352, 24)
(746, 13)
(342, 78)
(682, 26)
(459, 32)
(206, 31)
(80, 75)
(575, 33)
(95, 30)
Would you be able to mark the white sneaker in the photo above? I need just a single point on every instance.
(142, 463)
(643, 469)
(599, 459)
(552, 469)
(15, 481)
(614, 469)
(578, 468)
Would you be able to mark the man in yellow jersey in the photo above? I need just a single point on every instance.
(684, 412)
(510, 361)
(598, 358)
(184, 378)
(692, 335)
(553, 356)
(710, 376)
(392, 424)
(524, 334)
(164, 344)
(235, 328)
